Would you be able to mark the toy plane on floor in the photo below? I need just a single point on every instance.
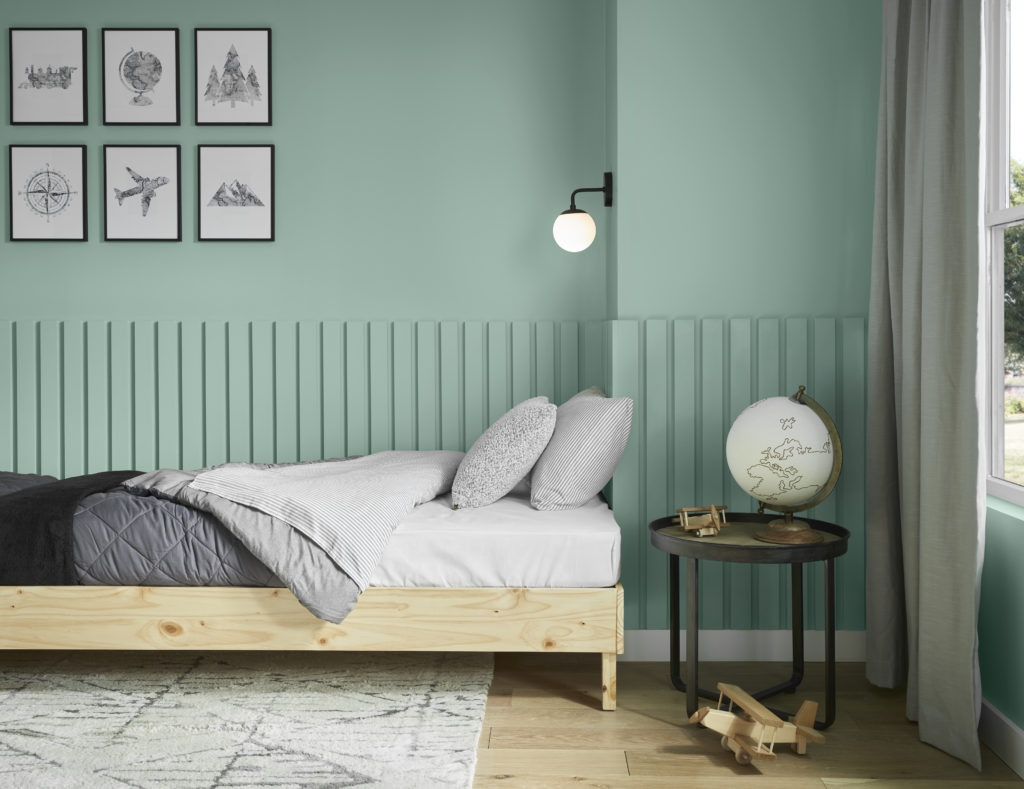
(754, 734)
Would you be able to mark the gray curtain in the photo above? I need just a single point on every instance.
(925, 521)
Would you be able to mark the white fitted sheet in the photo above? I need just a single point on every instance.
(507, 543)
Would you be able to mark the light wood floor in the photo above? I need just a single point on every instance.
(544, 727)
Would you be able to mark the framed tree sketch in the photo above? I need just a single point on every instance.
(48, 84)
(142, 192)
(236, 192)
(141, 76)
(46, 194)
(233, 76)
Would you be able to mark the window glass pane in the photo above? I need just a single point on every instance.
(1013, 354)
(1015, 82)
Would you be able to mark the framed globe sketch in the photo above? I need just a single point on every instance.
(233, 76)
(47, 193)
(141, 77)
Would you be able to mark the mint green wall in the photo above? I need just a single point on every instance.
(745, 156)
(1001, 617)
(423, 151)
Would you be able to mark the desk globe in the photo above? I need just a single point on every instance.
(785, 452)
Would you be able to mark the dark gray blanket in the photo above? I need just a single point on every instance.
(36, 544)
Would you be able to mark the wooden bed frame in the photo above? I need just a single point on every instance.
(387, 619)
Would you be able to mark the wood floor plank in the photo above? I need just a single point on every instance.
(552, 762)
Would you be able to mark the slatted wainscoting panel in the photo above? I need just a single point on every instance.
(690, 378)
(78, 397)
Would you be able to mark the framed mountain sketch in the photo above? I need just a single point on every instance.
(46, 194)
(236, 192)
(48, 84)
(142, 192)
(141, 76)
(233, 76)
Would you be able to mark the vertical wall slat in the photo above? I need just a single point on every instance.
(51, 403)
(215, 395)
(334, 388)
(27, 397)
(146, 395)
(404, 367)
(451, 386)
(382, 411)
(428, 411)
(310, 391)
(474, 380)
(740, 577)
(593, 355)
(286, 391)
(357, 387)
(547, 359)
(168, 394)
(72, 394)
(568, 360)
(122, 395)
(193, 397)
(522, 361)
(714, 593)
(8, 380)
(264, 389)
(499, 378)
(769, 578)
(97, 396)
(657, 461)
(240, 392)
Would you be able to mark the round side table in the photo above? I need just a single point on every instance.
(736, 543)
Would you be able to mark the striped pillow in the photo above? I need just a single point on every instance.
(504, 454)
(590, 436)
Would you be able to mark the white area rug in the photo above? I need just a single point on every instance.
(251, 719)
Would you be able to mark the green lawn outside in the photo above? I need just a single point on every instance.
(1013, 438)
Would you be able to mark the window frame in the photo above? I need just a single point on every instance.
(998, 216)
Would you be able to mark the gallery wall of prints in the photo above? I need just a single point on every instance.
(140, 186)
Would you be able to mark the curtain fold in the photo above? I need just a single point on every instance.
(926, 508)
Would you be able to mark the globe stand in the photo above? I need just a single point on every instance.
(141, 100)
(787, 531)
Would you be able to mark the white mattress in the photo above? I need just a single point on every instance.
(507, 543)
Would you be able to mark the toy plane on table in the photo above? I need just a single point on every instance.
(754, 734)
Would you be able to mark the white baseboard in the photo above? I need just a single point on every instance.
(1003, 736)
(715, 645)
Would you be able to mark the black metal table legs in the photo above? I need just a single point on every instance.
(691, 686)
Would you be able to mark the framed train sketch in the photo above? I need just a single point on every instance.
(48, 84)
(236, 192)
(141, 76)
(46, 194)
(142, 192)
(233, 76)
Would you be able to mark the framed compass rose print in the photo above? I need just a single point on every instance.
(47, 193)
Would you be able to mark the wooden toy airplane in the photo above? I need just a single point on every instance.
(753, 735)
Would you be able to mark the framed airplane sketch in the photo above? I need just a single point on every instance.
(48, 84)
(141, 76)
(236, 192)
(142, 192)
(46, 194)
(233, 76)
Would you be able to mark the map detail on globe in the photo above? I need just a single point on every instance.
(140, 73)
(780, 452)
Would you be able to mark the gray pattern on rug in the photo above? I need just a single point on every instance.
(241, 719)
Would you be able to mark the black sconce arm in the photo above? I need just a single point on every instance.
(607, 189)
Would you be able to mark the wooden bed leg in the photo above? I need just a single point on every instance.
(608, 660)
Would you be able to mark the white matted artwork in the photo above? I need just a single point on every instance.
(140, 76)
(142, 192)
(232, 71)
(236, 192)
(48, 80)
(47, 193)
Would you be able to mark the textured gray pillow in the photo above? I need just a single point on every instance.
(504, 454)
(589, 439)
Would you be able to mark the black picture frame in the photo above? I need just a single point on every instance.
(157, 101)
(49, 83)
(47, 193)
(156, 214)
(235, 192)
(242, 101)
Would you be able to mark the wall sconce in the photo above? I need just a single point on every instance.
(574, 229)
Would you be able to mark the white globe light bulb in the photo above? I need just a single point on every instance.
(574, 230)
